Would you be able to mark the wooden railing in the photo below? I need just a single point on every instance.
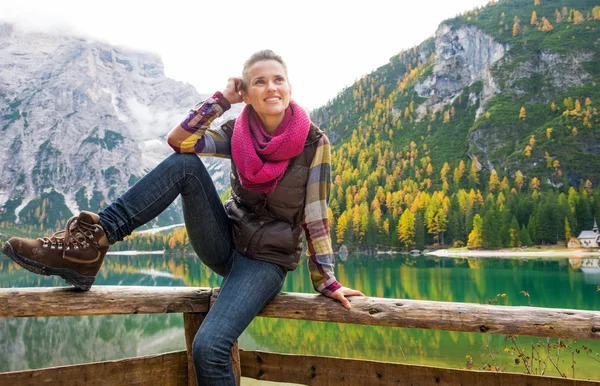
(176, 368)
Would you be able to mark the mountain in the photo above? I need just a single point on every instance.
(475, 70)
(503, 100)
(81, 121)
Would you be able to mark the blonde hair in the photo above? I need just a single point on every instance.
(258, 57)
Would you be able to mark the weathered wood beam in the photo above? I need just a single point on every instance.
(171, 370)
(101, 300)
(328, 371)
(191, 325)
(160, 370)
(534, 321)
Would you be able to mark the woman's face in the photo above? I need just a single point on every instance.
(267, 90)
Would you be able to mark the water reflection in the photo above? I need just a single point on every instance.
(591, 270)
(561, 283)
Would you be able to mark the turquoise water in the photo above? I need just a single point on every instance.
(27, 343)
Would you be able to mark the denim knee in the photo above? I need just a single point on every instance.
(184, 161)
(209, 351)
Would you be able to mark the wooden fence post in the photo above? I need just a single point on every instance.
(191, 324)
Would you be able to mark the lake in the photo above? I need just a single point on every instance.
(27, 343)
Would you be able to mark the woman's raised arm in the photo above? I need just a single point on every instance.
(194, 135)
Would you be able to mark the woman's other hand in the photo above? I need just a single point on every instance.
(233, 90)
(341, 293)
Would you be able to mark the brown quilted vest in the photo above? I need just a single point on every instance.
(269, 226)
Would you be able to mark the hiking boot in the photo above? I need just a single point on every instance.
(75, 254)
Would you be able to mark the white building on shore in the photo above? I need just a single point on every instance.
(590, 239)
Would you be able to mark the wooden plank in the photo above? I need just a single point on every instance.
(101, 300)
(328, 371)
(191, 324)
(236, 363)
(534, 321)
(161, 370)
(545, 322)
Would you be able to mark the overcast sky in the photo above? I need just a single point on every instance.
(327, 44)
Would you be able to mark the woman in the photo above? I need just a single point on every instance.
(280, 183)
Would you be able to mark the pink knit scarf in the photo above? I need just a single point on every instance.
(261, 158)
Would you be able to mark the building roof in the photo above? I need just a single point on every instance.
(588, 235)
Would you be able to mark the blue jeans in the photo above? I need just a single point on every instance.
(248, 284)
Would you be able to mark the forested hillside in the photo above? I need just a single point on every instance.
(486, 135)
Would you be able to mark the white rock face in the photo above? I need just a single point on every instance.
(462, 57)
(466, 55)
(76, 113)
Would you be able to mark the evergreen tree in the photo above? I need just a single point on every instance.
(419, 231)
(490, 232)
(504, 226)
(524, 236)
(456, 221)
(584, 214)
(532, 228)
(548, 223)
(515, 240)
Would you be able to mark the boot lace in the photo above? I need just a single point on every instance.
(75, 236)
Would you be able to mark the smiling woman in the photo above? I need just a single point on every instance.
(280, 186)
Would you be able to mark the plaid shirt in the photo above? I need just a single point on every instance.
(194, 135)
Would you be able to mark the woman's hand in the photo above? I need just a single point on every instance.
(233, 90)
(341, 293)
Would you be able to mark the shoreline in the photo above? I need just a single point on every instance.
(504, 253)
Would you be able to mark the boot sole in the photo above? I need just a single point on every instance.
(81, 282)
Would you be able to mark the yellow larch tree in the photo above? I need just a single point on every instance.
(406, 228)
(556, 166)
(546, 25)
(494, 181)
(568, 231)
(588, 186)
(474, 171)
(459, 172)
(522, 113)
(504, 185)
(340, 230)
(475, 237)
(548, 159)
(519, 180)
(446, 117)
(533, 18)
